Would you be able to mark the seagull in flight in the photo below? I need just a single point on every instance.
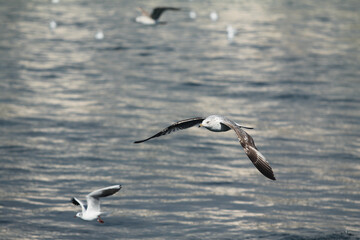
(93, 203)
(153, 18)
(217, 123)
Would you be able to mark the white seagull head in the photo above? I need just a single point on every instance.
(213, 123)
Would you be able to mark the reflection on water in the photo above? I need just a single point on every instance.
(71, 106)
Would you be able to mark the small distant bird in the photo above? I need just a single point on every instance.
(230, 33)
(217, 123)
(192, 15)
(214, 16)
(99, 35)
(93, 203)
(52, 25)
(153, 18)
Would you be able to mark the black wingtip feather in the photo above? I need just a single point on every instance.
(180, 125)
(73, 201)
(272, 177)
(265, 169)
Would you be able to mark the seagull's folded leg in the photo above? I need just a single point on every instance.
(100, 220)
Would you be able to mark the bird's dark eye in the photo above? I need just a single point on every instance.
(207, 122)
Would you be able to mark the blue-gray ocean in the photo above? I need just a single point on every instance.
(71, 106)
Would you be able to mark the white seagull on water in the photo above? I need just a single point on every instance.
(192, 14)
(99, 35)
(216, 123)
(52, 25)
(214, 16)
(153, 18)
(230, 33)
(93, 203)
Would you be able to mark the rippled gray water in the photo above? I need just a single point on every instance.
(71, 106)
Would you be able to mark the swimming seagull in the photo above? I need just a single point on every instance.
(52, 25)
(217, 123)
(192, 14)
(152, 19)
(230, 32)
(99, 35)
(93, 203)
(214, 16)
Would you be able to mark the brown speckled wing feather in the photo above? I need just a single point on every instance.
(247, 142)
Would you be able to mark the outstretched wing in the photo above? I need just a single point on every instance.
(104, 192)
(77, 202)
(247, 142)
(180, 125)
(156, 13)
(93, 200)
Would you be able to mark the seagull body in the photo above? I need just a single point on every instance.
(230, 32)
(214, 16)
(52, 25)
(217, 123)
(99, 35)
(152, 19)
(93, 203)
(192, 14)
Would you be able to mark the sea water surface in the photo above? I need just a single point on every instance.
(71, 106)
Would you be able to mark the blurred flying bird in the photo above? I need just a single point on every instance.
(153, 18)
